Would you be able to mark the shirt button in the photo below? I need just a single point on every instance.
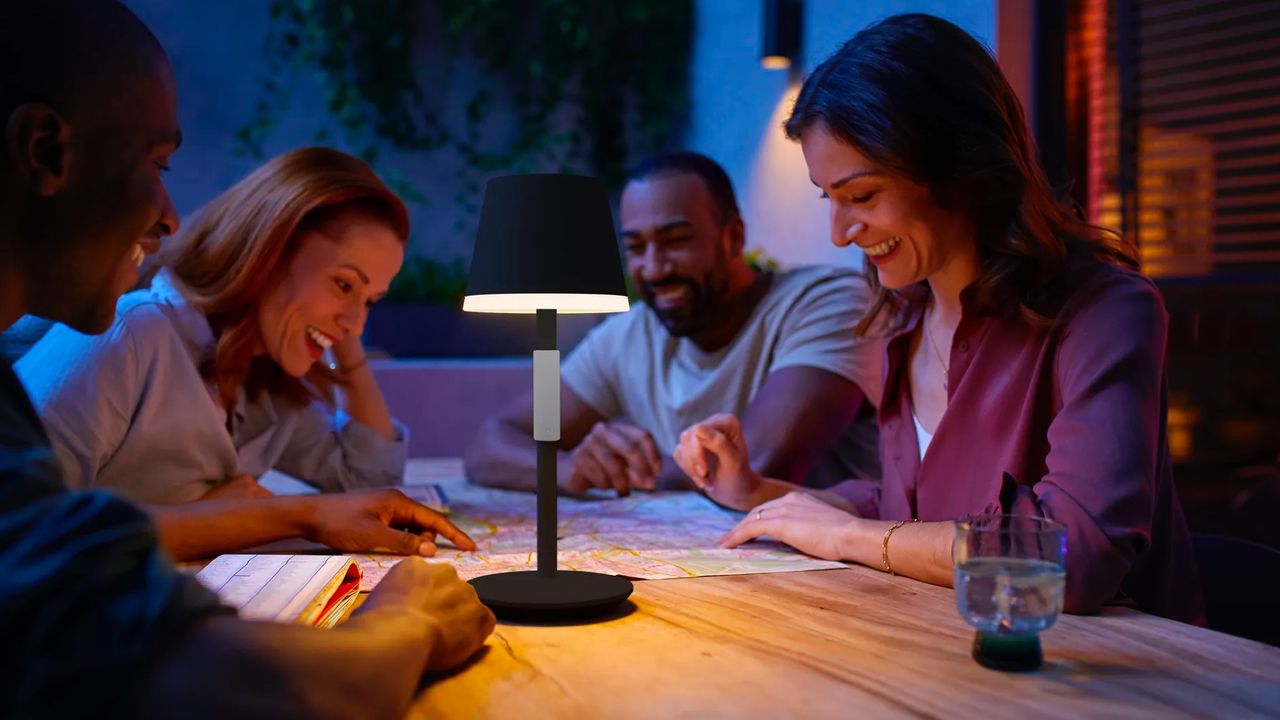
(964, 346)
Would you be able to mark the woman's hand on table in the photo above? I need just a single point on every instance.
(372, 521)
(800, 520)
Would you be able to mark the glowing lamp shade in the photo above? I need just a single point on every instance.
(546, 244)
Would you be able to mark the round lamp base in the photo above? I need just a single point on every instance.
(564, 596)
(1011, 653)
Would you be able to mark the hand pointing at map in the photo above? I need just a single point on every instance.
(714, 455)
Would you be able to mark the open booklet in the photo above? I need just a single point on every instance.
(315, 590)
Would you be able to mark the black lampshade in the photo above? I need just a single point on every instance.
(546, 241)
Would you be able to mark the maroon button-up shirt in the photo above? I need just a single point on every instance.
(1075, 414)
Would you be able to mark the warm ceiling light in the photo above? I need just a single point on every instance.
(780, 39)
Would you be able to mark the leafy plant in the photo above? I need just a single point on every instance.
(587, 86)
(761, 261)
(424, 280)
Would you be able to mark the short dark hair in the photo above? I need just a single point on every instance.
(920, 96)
(709, 171)
(70, 54)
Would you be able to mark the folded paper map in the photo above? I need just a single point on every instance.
(649, 536)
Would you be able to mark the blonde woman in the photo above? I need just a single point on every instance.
(214, 374)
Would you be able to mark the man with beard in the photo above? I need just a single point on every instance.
(714, 336)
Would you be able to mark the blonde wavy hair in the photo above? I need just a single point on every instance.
(242, 242)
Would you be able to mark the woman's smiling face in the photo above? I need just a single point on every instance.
(894, 220)
(340, 268)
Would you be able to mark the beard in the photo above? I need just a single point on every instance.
(697, 314)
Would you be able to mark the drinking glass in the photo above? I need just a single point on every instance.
(1010, 571)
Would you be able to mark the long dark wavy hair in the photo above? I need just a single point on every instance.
(921, 97)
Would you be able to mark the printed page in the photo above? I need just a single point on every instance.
(271, 587)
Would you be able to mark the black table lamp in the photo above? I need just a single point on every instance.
(546, 244)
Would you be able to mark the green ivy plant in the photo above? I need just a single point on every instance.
(590, 85)
(761, 261)
(426, 280)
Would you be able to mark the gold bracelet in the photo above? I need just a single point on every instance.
(884, 544)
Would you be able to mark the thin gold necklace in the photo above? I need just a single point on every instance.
(936, 351)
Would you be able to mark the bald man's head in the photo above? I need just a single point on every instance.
(89, 111)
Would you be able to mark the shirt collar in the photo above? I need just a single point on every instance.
(190, 322)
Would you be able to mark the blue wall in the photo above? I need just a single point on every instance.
(216, 49)
(740, 108)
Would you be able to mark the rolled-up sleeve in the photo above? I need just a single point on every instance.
(335, 452)
(1103, 462)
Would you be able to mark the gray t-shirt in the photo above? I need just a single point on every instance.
(631, 367)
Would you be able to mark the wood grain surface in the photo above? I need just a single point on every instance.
(844, 643)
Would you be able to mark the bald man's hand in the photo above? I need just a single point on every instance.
(378, 521)
(614, 455)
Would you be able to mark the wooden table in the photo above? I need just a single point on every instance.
(845, 643)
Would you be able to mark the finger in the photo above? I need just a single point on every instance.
(645, 482)
(722, 421)
(624, 442)
(644, 444)
(621, 483)
(727, 445)
(613, 466)
(591, 472)
(578, 482)
(651, 449)
(428, 522)
(715, 444)
(682, 461)
(746, 530)
(638, 480)
(399, 542)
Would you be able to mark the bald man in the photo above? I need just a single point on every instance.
(95, 619)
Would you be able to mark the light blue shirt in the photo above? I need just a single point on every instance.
(129, 410)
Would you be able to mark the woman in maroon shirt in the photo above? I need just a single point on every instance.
(1025, 367)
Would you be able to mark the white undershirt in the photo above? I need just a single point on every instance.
(923, 437)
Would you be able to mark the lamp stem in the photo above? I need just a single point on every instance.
(547, 452)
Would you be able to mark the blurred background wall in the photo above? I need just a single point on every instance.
(734, 110)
